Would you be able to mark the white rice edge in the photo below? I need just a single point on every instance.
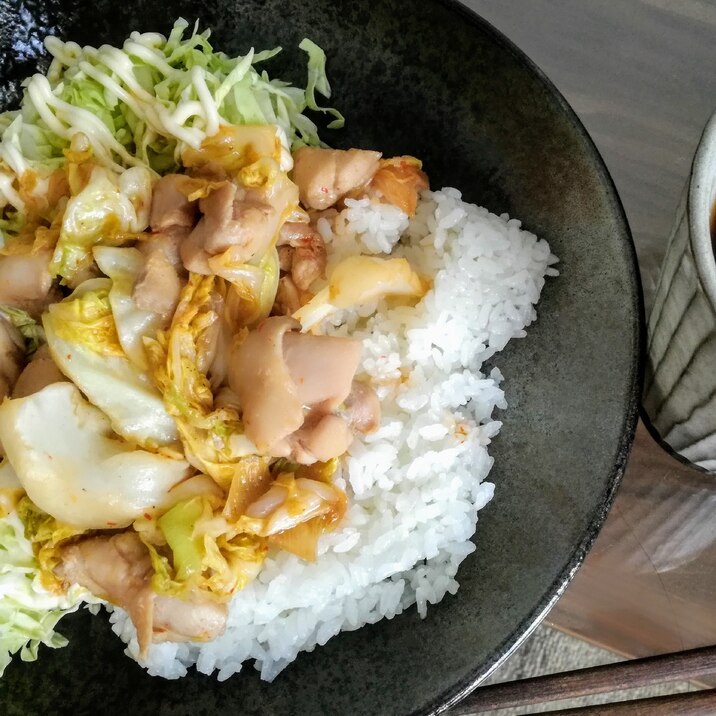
(416, 485)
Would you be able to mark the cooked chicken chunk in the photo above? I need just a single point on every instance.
(169, 241)
(324, 176)
(186, 620)
(258, 374)
(161, 281)
(193, 255)
(288, 299)
(288, 383)
(119, 569)
(323, 439)
(38, 373)
(244, 221)
(321, 367)
(171, 207)
(307, 260)
(362, 408)
(233, 217)
(25, 279)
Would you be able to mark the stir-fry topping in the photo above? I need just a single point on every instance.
(173, 409)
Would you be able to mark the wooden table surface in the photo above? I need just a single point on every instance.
(641, 76)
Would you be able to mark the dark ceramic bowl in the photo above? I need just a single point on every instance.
(433, 80)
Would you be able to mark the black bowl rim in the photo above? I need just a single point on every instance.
(452, 696)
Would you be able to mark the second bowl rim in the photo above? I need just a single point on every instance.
(699, 205)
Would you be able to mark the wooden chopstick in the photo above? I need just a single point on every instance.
(696, 703)
(680, 665)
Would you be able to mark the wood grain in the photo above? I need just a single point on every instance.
(680, 666)
(699, 703)
(648, 585)
(639, 74)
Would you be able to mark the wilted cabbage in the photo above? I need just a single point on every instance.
(82, 337)
(133, 324)
(213, 438)
(206, 556)
(108, 210)
(74, 468)
(359, 280)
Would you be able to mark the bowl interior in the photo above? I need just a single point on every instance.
(436, 83)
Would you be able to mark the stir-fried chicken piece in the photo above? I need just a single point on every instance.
(169, 242)
(38, 373)
(258, 374)
(307, 259)
(322, 438)
(285, 258)
(158, 287)
(309, 262)
(12, 356)
(288, 383)
(187, 620)
(362, 408)
(321, 367)
(170, 206)
(118, 568)
(172, 217)
(25, 281)
(288, 299)
(194, 256)
(234, 217)
(325, 176)
(241, 220)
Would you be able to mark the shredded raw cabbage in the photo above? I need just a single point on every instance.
(146, 102)
(28, 611)
(47, 535)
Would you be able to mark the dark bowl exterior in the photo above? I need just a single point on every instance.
(433, 80)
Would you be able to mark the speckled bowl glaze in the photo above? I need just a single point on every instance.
(433, 80)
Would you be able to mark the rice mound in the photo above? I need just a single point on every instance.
(414, 486)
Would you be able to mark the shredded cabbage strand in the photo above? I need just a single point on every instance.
(28, 611)
(145, 103)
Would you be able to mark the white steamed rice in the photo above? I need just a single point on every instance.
(416, 485)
